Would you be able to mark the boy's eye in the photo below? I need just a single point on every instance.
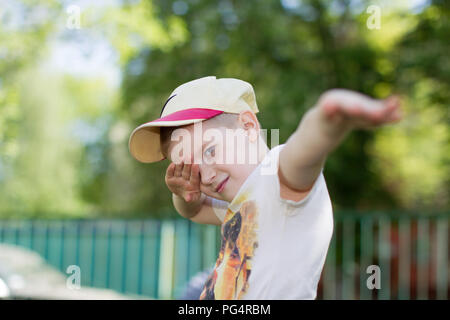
(210, 152)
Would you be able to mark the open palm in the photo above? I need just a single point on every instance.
(360, 111)
(184, 180)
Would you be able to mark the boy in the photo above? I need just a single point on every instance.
(273, 205)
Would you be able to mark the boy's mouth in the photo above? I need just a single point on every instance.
(221, 186)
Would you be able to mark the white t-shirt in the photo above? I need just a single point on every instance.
(272, 248)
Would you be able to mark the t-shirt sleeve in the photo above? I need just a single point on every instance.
(220, 208)
(319, 184)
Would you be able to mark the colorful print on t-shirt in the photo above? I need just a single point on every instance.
(229, 279)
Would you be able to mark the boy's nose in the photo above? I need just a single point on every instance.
(207, 174)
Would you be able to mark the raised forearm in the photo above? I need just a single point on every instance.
(323, 128)
(187, 209)
(316, 137)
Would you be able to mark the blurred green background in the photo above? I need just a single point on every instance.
(76, 77)
(69, 98)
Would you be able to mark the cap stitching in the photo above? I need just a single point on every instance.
(165, 105)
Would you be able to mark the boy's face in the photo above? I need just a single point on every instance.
(226, 157)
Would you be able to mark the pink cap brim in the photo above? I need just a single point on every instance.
(144, 143)
(190, 114)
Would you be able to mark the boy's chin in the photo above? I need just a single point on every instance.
(221, 197)
(227, 198)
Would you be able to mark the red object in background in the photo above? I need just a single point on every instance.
(418, 270)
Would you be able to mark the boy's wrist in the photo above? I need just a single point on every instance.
(201, 199)
(333, 127)
(187, 209)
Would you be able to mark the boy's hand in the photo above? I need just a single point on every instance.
(184, 181)
(358, 111)
(323, 128)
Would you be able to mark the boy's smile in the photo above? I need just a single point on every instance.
(222, 185)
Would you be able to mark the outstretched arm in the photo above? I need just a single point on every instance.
(323, 128)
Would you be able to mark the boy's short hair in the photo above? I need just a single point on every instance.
(227, 120)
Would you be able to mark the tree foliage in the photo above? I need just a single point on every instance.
(63, 139)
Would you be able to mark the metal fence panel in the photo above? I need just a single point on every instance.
(157, 258)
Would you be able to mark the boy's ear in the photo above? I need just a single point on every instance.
(249, 122)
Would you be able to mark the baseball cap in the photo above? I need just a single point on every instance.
(191, 102)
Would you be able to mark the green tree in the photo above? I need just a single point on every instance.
(291, 54)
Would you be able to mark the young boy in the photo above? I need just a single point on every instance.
(273, 205)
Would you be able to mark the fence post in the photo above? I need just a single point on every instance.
(93, 244)
(209, 251)
(141, 257)
(404, 265)
(422, 259)
(366, 256)
(348, 258)
(384, 256)
(181, 254)
(167, 258)
(442, 259)
(123, 286)
(329, 277)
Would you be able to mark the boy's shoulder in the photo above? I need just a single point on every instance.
(269, 167)
(287, 192)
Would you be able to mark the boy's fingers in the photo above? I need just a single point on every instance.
(178, 170)
(389, 112)
(396, 116)
(170, 170)
(375, 111)
(393, 101)
(195, 176)
(186, 174)
(362, 110)
(330, 108)
(395, 113)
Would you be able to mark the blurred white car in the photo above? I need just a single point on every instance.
(24, 274)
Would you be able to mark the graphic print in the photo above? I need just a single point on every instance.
(229, 279)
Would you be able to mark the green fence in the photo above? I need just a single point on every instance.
(157, 258)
